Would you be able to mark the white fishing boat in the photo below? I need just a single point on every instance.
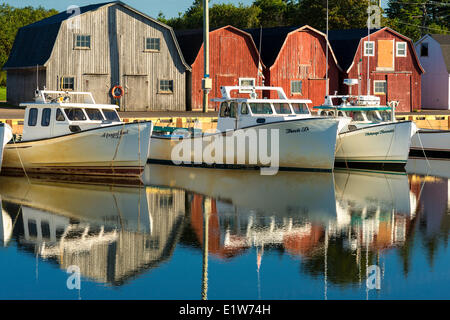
(255, 132)
(71, 137)
(433, 144)
(373, 138)
(5, 136)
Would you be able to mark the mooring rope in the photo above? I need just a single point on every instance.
(20, 159)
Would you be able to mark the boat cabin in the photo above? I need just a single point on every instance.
(237, 113)
(362, 109)
(55, 114)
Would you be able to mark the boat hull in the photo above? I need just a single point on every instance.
(118, 150)
(377, 145)
(302, 144)
(5, 136)
(433, 144)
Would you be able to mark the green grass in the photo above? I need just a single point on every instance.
(2, 93)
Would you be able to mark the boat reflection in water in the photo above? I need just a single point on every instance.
(322, 230)
(112, 233)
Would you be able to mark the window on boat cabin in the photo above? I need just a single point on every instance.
(111, 115)
(32, 117)
(45, 119)
(75, 114)
(300, 108)
(400, 49)
(369, 48)
(82, 41)
(244, 108)
(261, 107)
(357, 116)
(331, 113)
(424, 49)
(246, 82)
(379, 86)
(94, 114)
(67, 83)
(233, 109)
(166, 86)
(373, 116)
(32, 228)
(60, 115)
(341, 114)
(152, 44)
(296, 87)
(386, 115)
(282, 108)
(224, 110)
(323, 113)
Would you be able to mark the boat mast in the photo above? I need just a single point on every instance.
(327, 90)
(206, 81)
(368, 41)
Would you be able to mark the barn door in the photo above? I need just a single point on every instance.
(399, 89)
(99, 86)
(385, 57)
(136, 93)
(316, 91)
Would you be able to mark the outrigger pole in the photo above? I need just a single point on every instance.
(206, 81)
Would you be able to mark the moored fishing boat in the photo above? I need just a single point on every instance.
(5, 136)
(373, 138)
(434, 144)
(61, 136)
(255, 132)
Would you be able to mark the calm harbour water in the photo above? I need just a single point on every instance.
(296, 235)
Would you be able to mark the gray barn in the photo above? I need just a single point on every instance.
(94, 48)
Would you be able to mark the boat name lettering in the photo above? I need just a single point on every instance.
(114, 135)
(379, 132)
(303, 129)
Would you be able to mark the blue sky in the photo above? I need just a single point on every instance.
(169, 8)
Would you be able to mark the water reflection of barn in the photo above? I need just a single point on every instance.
(121, 247)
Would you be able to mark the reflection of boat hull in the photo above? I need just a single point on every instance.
(304, 194)
(5, 136)
(431, 143)
(304, 143)
(117, 150)
(385, 144)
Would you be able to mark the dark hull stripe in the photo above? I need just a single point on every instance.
(389, 166)
(95, 171)
(430, 153)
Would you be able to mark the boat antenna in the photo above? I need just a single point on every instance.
(260, 71)
(326, 58)
(373, 48)
(37, 78)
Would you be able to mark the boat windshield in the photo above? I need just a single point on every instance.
(357, 116)
(75, 114)
(282, 108)
(300, 108)
(386, 115)
(94, 114)
(111, 115)
(261, 108)
(374, 116)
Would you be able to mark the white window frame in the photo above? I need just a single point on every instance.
(397, 49)
(374, 86)
(82, 47)
(301, 87)
(366, 43)
(169, 82)
(151, 42)
(246, 79)
(61, 83)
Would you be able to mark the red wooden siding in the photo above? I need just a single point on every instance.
(233, 55)
(403, 82)
(303, 57)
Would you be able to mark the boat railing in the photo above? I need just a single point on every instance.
(44, 96)
(251, 90)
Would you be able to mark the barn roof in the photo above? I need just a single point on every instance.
(192, 40)
(34, 43)
(345, 43)
(444, 42)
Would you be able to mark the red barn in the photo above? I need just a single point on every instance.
(234, 60)
(296, 61)
(387, 57)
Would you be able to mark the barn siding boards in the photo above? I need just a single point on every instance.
(302, 57)
(403, 78)
(233, 55)
(117, 56)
